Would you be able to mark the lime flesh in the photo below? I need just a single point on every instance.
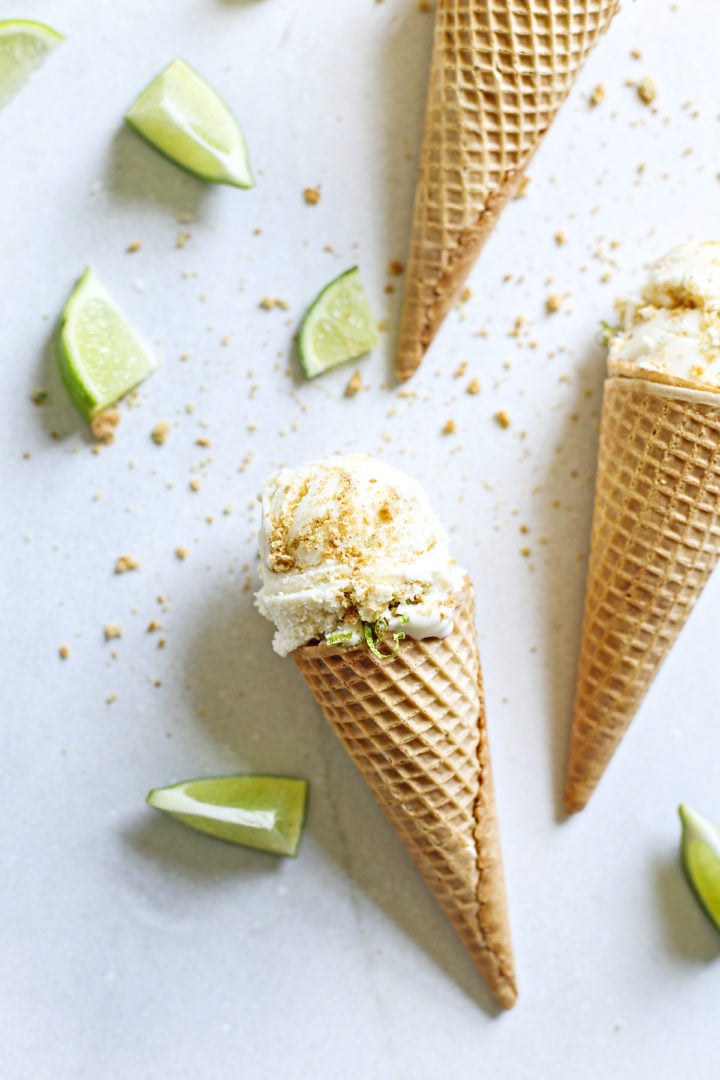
(183, 117)
(24, 46)
(262, 812)
(99, 354)
(700, 856)
(338, 326)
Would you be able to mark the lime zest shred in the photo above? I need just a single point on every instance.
(337, 639)
(374, 634)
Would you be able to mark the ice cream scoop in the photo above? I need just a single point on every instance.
(347, 541)
(674, 327)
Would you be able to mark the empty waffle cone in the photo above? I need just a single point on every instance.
(500, 71)
(415, 728)
(655, 541)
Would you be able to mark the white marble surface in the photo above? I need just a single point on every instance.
(133, 949)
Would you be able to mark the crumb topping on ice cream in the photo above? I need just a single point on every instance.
(674, 328)
(346, 541)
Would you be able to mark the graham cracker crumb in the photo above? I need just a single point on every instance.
(473, 387)
(133, 247)
(203, 441)
(560, 238)
(646, 90)
(153, 627)
(269, 302)
(354, 384)
(160, 432)
(194, 484)
(523, 189)
(396, 268)
(597, 96)
(465, 295)
(460, 370)
(553, 303)
(126, 563)
(450, 427)
(636, 54)
(112, 631)
(63, 652)
(502, 418)
(311, 195)
(181, 553)
(103, 426)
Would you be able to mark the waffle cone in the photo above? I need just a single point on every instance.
(655, 541)
(415, 728)
(500, 71)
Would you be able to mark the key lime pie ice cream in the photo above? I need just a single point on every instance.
(347, 541)
(673, 329)
(656, 521)
(359, 581)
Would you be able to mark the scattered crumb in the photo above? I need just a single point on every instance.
(311, 195)
(396, 268)
(133, 247)
(181, 553)
(63, 652)
(194, 484)
(111, 699)
(424, 6)
(182, 239)
(126, 563)
(269, 302)
(553, 303)
(39, 397)
(460, 370)
(473, 387)
(203, 441)
(597, 96)
(465, 295)
(354, 384)
(103, 426)
(560, 238)
(636, 54)
(160, 432)
(502, 418)
(153, 627)
(113, 631)
(525, 552)
(646, 90)
(523, 189)
(450, 427)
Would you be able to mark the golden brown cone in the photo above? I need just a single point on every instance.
(655, 541)
(415, 728)
(500, 71)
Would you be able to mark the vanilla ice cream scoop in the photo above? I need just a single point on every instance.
(347, 541)
(674, 329)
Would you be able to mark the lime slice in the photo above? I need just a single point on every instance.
(184, 118)
(23, 48)
(263, 812)
(100, 356)
(700, 855)
(338, 325)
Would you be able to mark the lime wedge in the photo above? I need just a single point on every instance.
(338, 325)
(700, 855)
(99, 355)
(23, 48)
(263, 812)
(184, 118)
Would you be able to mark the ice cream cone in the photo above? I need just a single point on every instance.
(415, 728)
(500, 71)
(655, 541)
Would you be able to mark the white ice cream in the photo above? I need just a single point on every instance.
(348, 540)
(675, 327)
